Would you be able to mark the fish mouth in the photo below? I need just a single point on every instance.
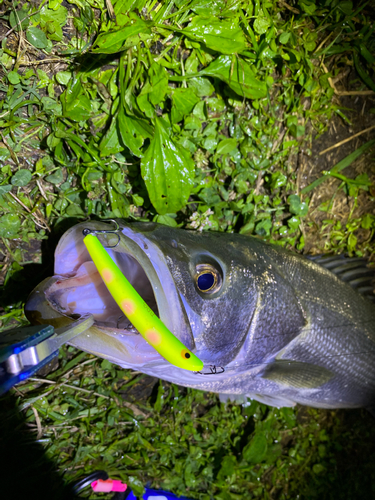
(77, 289)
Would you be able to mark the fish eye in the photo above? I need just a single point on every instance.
(207, 278)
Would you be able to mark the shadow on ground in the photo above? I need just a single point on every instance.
(26, 472)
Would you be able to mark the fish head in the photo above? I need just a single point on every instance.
(201, 288)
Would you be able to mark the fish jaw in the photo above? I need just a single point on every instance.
(77, 288)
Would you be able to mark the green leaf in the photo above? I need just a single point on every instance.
(167, 220)
(212, 8)
(21, 178)
(184, 100)
(168, 171)
(58, 16)
(13, 77)
(263, 227)
(5, 188)
(110, 143)
(226, 146)
(55, 178)
(239, 75)
(261, 24)
(346, 7)
(296, 206)
(368, 220)
(228, 465)
(256, 451)
(294, 223)
(76, 105)
(278, 180)
(19, 15)
(74, 210)
(121, 39)
(202, 86)
(133, 131)
(9, 226)
(153, 92)
(63, 77)
(37, 38)
(223, 36)
(284, 37)
(363, 74)
(307, 6)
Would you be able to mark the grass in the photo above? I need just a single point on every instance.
(245, 108)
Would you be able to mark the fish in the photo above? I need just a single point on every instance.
(268, 324)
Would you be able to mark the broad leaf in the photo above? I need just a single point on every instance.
(133, 132)
(216, 34)
(21, 178)
(239, 75)
(184, 101)
(214, 8)
(121, 39)
(226, 146)
(154, 90)
(256, 450)
(9, 226)
(168, 171)
(76, 105)
(37, 38)
(110, 144)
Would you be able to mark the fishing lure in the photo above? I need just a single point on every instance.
(137, 311)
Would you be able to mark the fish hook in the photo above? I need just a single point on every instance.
(115, 231)
(213, 370)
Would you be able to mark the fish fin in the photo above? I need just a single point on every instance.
(277, 401)
(351, 270)
(297, 374)
(234, 398)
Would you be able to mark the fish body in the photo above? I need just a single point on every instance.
(268, 324)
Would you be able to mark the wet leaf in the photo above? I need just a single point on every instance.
(153, 92)
(13, 77)
(261, 24)
(296, 206)
(226, 146)
(217, 34)
(133, 131)
(184, 100)
(9, 226)
(239, 75)
(5, 188)
(55, 178)
(167, 170)
(21, 178)
(121, 39)
(256, 451)
(110, 144)
(37, 38)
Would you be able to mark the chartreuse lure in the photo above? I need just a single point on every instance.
(137, 311)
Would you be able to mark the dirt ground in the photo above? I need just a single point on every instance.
(360, 110)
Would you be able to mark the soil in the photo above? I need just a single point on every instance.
(361, 112)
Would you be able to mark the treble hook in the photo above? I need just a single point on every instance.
(87, 231)
(213, 370)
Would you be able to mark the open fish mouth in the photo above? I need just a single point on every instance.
(77, 289)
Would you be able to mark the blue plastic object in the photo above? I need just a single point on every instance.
(156, 495)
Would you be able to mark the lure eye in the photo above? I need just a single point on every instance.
(207, 278)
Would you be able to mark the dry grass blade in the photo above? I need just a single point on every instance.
(338, 144)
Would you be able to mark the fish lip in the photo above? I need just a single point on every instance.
(146, 252)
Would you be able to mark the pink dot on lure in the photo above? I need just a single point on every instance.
(107, 275)
(128, 306)
(153, 337)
